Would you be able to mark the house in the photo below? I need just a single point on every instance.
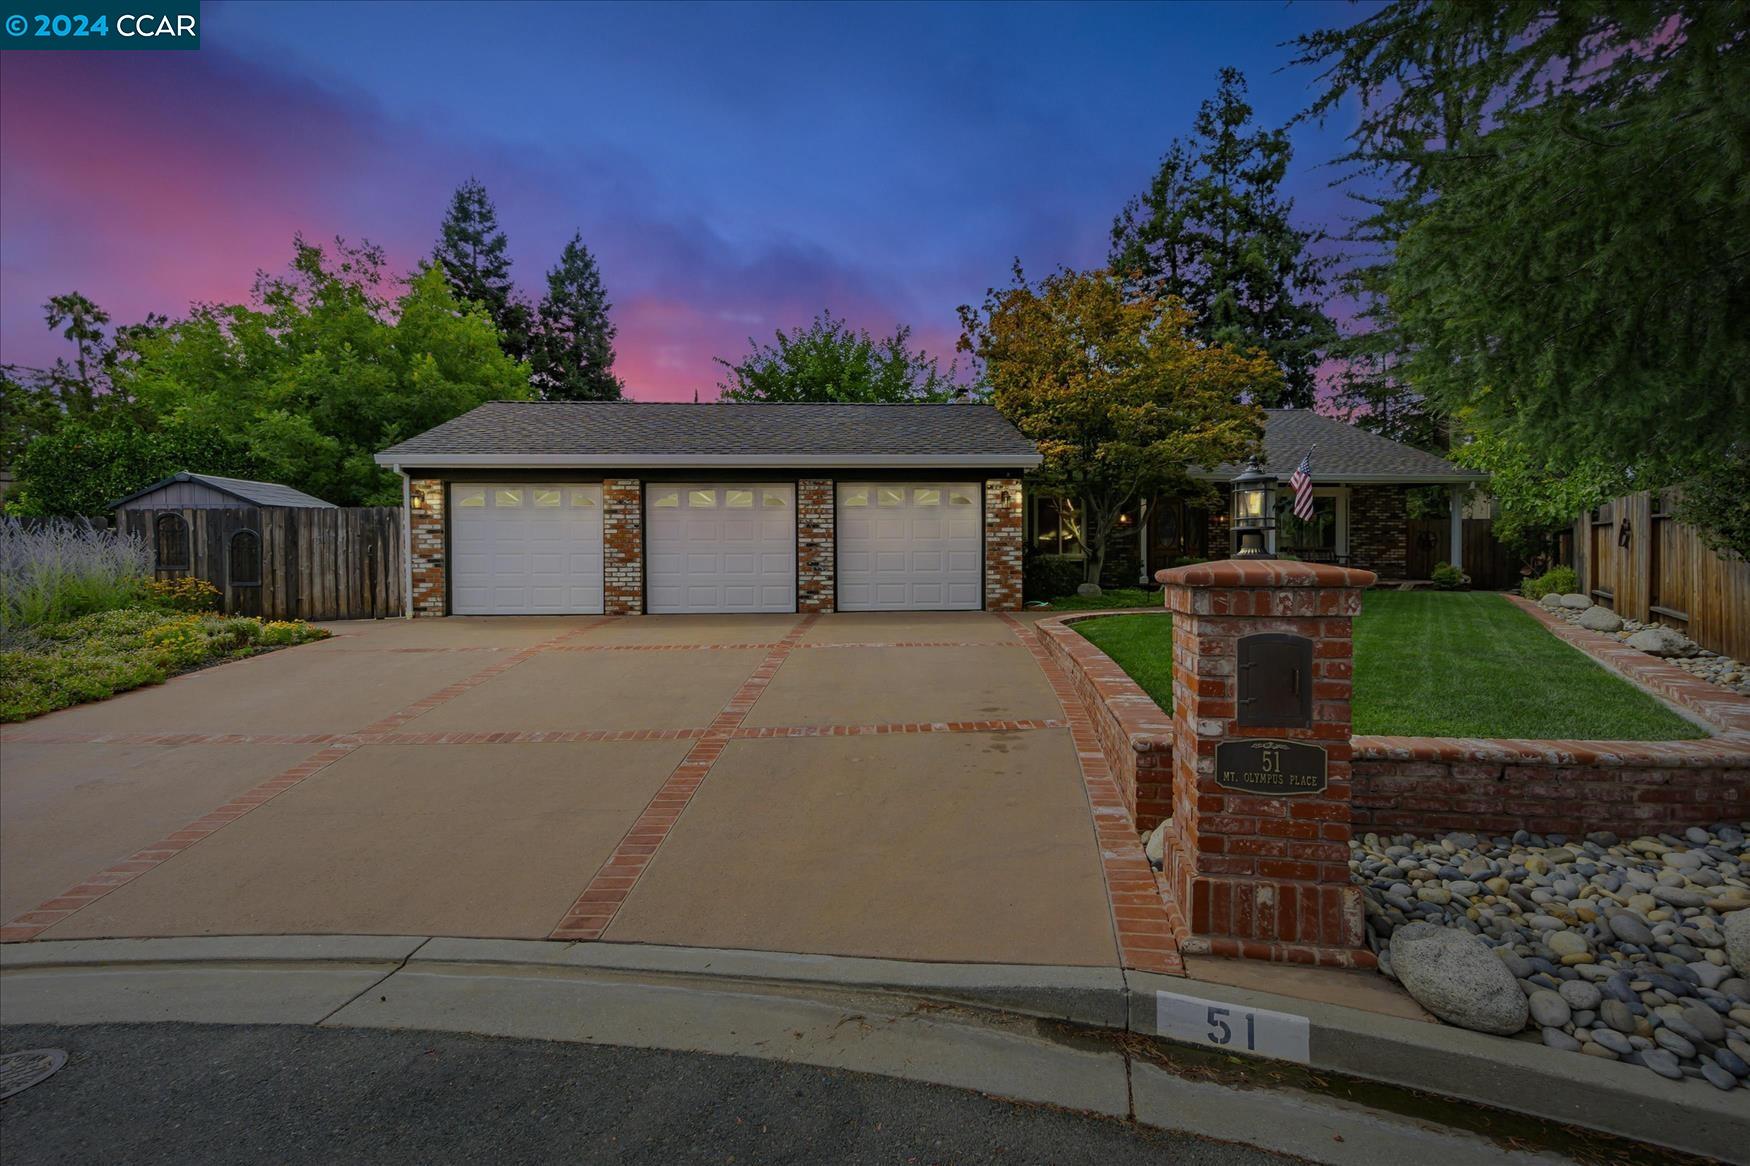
(1361, 499)
(625, 507)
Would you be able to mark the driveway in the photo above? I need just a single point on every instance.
(898, 785)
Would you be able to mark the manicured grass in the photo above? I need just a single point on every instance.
(1111, 597)
(1433, 664)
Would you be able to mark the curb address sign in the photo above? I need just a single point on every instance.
(1272, 768)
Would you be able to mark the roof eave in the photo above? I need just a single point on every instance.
(1456, 477)
(508, 461)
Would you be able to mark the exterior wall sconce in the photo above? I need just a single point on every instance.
(1254, 511)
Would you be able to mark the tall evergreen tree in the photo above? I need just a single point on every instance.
(1214, 230)
(571, 354)
(471, 248)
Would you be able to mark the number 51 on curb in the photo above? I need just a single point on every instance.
(1219, 1024)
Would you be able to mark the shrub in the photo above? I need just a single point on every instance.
(65, 568)
(1049, 576)
(1446, 577)
(1560, 580)
(186, 594)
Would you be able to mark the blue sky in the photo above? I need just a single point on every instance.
(736, 168)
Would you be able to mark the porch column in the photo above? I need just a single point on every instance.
(1455, 548)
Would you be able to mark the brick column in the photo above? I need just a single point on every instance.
(1264, 876)
(623, 546)
(426, 527)
(1003, 535)
(815, 549)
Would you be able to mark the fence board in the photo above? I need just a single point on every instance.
(316, 563)
(1666, 574)
(1489, 564)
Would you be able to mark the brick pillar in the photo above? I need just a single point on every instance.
(1262, 875)
(815, 548)
(623, 546)
(426, 527)
(1003, 535)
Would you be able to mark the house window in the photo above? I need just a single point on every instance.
(1312, 538)
(1055, 521)
(245, 559)
(172, 539)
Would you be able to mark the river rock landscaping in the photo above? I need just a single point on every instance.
(1653, 639)
(1632, 950)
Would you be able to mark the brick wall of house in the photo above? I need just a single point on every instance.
(1218, 541)
(426, 525)
(1004, 537)
(1379, 520)
(623, 546)
(815, 549)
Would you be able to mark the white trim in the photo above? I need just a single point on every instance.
(628, 461)
(1341, 494)
(406, 543)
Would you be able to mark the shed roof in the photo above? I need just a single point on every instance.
(243, 489)
(1344, 451)
(647, 433)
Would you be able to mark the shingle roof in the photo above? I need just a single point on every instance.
(643, 432)
(243, 489)
(1344, 451)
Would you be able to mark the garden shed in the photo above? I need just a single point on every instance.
(270, 550)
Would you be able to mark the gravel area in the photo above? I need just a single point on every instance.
(1634, 950)
(1731, 675)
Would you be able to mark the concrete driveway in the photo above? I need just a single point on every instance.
(887, 785)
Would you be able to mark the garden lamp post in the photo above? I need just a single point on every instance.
(1254, 511)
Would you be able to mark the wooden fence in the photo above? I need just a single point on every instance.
(1636, 559)
(305, 563)
(1490, 565)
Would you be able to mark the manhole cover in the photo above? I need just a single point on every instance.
(20, 1071)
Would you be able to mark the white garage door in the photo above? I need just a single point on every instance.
(909, 546)
(719, 547)
(521, 548)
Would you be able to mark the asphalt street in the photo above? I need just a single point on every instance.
(207, 1093)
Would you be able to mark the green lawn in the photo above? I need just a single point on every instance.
(1445, 664)
(1110, 597)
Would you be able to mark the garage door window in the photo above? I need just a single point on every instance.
(738, 499)
(545, 499)
(773, 498)
(583, 499)
(701, 499)
(855, 496)
(470, 496)
(961, 498)
(508, 499)
(667, 499)
(890, 496)
(926, 497)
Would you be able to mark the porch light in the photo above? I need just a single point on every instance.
(1254, 511)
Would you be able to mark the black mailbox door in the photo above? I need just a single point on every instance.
(1275, 681)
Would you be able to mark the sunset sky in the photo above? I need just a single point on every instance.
(736, 169)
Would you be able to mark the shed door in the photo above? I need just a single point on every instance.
(909, 546)
(521, 548)
(720, 546)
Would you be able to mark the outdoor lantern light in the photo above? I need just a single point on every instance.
(1254, 511)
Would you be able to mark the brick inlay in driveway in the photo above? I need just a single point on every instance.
(601, 899)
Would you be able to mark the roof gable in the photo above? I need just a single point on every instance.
(246, 491)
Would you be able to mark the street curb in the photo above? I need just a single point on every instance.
(1513, 1075)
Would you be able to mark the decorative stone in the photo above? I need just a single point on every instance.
(1453, 975)
(1737, 929)
(1600, 619)
(1580, 995)
(1574, 601)
(1548, 1010)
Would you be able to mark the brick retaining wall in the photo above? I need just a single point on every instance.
(1135, 736)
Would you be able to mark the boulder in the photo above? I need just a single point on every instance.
(1551, 599)
(1599, 618)
(1455, 975)
(1737, 931)
(1576, 602)
(1088, 589)
(1660, 641)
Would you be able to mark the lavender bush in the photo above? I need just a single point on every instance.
(65, 568)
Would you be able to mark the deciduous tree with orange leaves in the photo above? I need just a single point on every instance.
(1121, 399)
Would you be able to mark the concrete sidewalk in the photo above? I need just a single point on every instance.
(1058, 1035)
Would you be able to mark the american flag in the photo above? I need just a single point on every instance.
(1301, 481)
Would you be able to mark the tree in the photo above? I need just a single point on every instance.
(80, 384)
(831, 361)
(1566, 220)
(471, 251)
(1214, 231)
(1115, 387)
(571, 355)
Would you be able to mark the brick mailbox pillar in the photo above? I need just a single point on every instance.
(1257, 850)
